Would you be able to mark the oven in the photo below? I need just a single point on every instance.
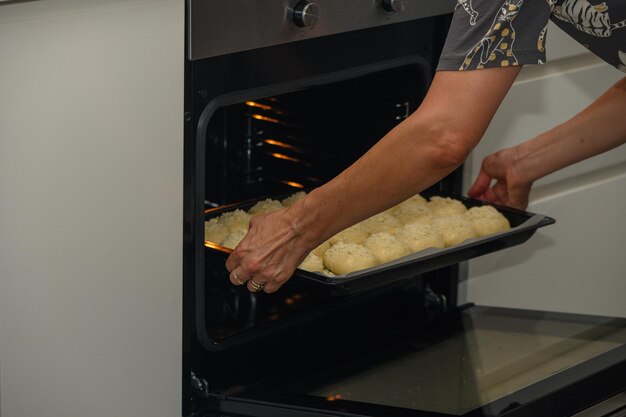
(281, 96)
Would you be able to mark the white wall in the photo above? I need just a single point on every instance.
(578, 264)
(91, 107)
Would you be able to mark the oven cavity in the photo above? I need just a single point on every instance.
(299, 140)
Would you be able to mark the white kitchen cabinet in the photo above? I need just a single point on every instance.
(91, 165)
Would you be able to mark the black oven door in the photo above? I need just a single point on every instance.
(481, 362)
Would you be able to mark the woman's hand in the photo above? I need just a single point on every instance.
(269, 254)
(510, 188)
(601, 126)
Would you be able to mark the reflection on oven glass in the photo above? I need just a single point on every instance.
(493, 356)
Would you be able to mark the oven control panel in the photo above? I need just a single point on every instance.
(219, 27)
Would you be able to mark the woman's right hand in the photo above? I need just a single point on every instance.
(510, 188)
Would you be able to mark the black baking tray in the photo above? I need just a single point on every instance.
(523, 225)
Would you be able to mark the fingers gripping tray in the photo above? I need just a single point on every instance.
(522, 226)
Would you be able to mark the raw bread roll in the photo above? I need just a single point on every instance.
(343, 258)
(382, 222)
(413, 213)
(487, 220)
(312, 263)
(353, 234)
(454, 229)
(293, 198)
(419, 236)
(236, 220)
(214, 231)
(415, 200)
(265, 206)
(232, 240)
(385, 247)
(446, 206)
(327, 272)
(319, 251)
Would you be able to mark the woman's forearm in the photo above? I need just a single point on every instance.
(404, 162)
(598, 128)
(427, 146)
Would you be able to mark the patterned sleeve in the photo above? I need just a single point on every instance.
(496, 33)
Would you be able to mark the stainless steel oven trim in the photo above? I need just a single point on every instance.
(239, 96)
(218, 27)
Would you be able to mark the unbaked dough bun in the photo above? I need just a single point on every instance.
(446, 206)
(416, 199)
(265, 206)
(214, 231)
(487, 220)
(353, 234)
(385, 247)
(233, 239)
(343, 258)
(414, 213)
(312, 263)
(319, 251)
(236, 220)
(293, 198)
(418, 236)
(327, 272)
(381, 222)
(454, 229)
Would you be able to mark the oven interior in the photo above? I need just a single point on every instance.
(280, 144)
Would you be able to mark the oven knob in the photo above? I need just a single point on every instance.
(306, 14)
(394, 6)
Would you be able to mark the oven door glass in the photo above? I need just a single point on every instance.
(488, 362)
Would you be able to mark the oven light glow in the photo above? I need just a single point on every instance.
(279, 144)
(288, 158)
(285, 157)
(295, 185)
(333, 397)
(263, 107)
(259, 105)
(265, 118)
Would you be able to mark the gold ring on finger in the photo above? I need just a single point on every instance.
(237, 280)
(256, 287)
